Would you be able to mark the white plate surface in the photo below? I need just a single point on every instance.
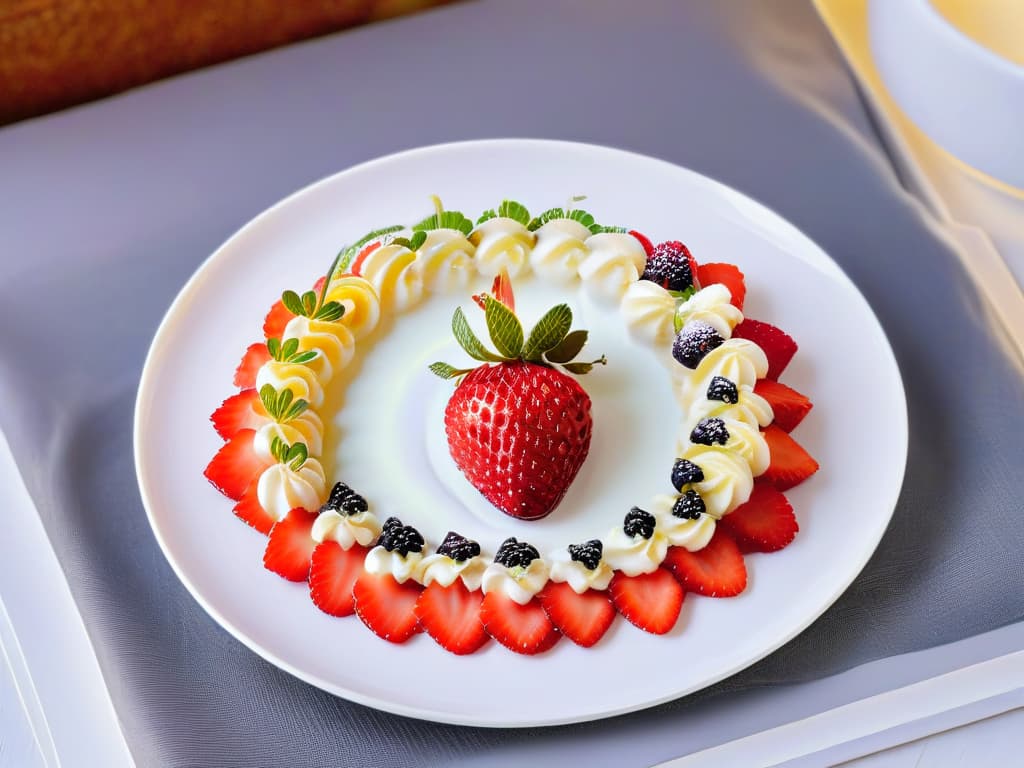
(386, 437)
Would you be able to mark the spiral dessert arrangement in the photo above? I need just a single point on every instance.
(723, 490)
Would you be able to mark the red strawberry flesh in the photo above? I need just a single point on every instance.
(290, 546)
(778, 346)
(728, 275)
(249, 509)
(451, 615)
(241, 411)
(255, 356)
(790, 464)
(333, 572)
(765, 523)
(788, 405)
(524, 629)
(650, 601)
(583, 618)
(235, 465)
(387, 607)
(717, 570)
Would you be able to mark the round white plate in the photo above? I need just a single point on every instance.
(388, 435)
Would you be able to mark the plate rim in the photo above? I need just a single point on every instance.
(185, 293)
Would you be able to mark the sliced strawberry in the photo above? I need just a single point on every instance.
(788, 405)
(252, 512)
(790, 464)
(650, 601)
(291, 544)
(333, 571)
(451, 615)
(766, 523)
(717, 570)
(728, 275)
(357, 263)
(277, 318)
(501, 289)
(524, 629)
(778, 346)
(644, 241)
(582, 618)
(235, 465)
(255, 356)
(387, 607)
(241, 411)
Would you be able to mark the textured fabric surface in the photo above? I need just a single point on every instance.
(107, 210)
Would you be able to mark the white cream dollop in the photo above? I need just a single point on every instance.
(281, 489)
(744, 441)
(634, 555)
(300, 379)
(711, 306)
(728, 480)
(391, 272)
(307, 431)
(444, 263)
(502, 243)
(559, 250)
(445, 570)
(615, 260)
(750, 408)
(740, 361)
(333, 342)
(402, 567)
(360, 300)
(577, 575)
(519, 584)
(362, 528)
(692, 534)
(649, 312)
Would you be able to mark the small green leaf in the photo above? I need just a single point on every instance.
(487, 215)
(417, 240)
(539, 221)
(596, 229)
(296, 456)
(309, 303)
(448, 220)
(284, 399)
(293, 303)
(446, 371)
(289, 348)
(274, 348)
(505, 329)
(268, 396)
(347, 254)
(510, 209)
(298, 408)
(303, 357)
(582, 217)
(549, 331)
(278, 449)
(581, 368)
(469, 341)
(328, 277)
(677, 322)
(568, 348)
(681, 296)
(330, 312)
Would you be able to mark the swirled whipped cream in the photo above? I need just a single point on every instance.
(391, 272)
(502, 243)
(614, 262)
(727, 478)
(446, 570)
(740, 361)
(281, 489)
(711, 305)
(518, 572)
(649, 312)
(333, 342)
(739, 438)
(308, 430)
(559, 250)
(444, 263)
(581, 566)
(360, 300)
(361, 528)
(691, 533)
(399, 552)
(638, 546)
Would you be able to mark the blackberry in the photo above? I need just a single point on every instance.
(689, 506)
(684, 472)
(458, 548)
(344, 500)
(722, 389)
(694, 342)
(396, 537)
(638, 522)
(589, 553)
(669, 266)
(513, 553)
(709, 432)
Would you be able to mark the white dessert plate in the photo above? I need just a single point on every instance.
(387, 439)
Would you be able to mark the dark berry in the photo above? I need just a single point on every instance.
(344, 500)
(722, 389)
(513, 553)
(396, 537)
(588, 553)
(669, 266)
(709, 432)
(638, 523)
(685, 471)
(689, 506)
(694, 342)
(458, 548)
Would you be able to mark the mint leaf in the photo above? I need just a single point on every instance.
(289, 348)
(330, 312)
(417, 240)
(274, 348)
(303, 357)
(539, 221)
(468, 340)
(296, 456)
(309, 303)
(448, 220)
(268, 396)
(293, 303)
(549, 331)
(596, 229)
(298, 408)
(487, 215)
(505, 329)
(446, 371)
(568, 348)
(510, 209)
(582, 217)
(284, 399)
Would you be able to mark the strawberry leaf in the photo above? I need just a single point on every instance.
(510, 209)
(446, 371)
(293, 303)
(505, 329)
(568, 348)
(581, 368)
(549, 331)
(468, 340)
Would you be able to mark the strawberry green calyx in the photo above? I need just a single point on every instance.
(281, 406)
(549, 343)
(294, 455)
(288, 351)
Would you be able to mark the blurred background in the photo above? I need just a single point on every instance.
(57, 53)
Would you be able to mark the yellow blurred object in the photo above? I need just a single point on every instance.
(996, 24)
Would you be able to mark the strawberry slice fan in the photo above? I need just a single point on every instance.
(518, 425)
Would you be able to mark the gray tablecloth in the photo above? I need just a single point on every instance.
(105, 211)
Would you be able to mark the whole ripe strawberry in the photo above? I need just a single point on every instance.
(517, 428)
